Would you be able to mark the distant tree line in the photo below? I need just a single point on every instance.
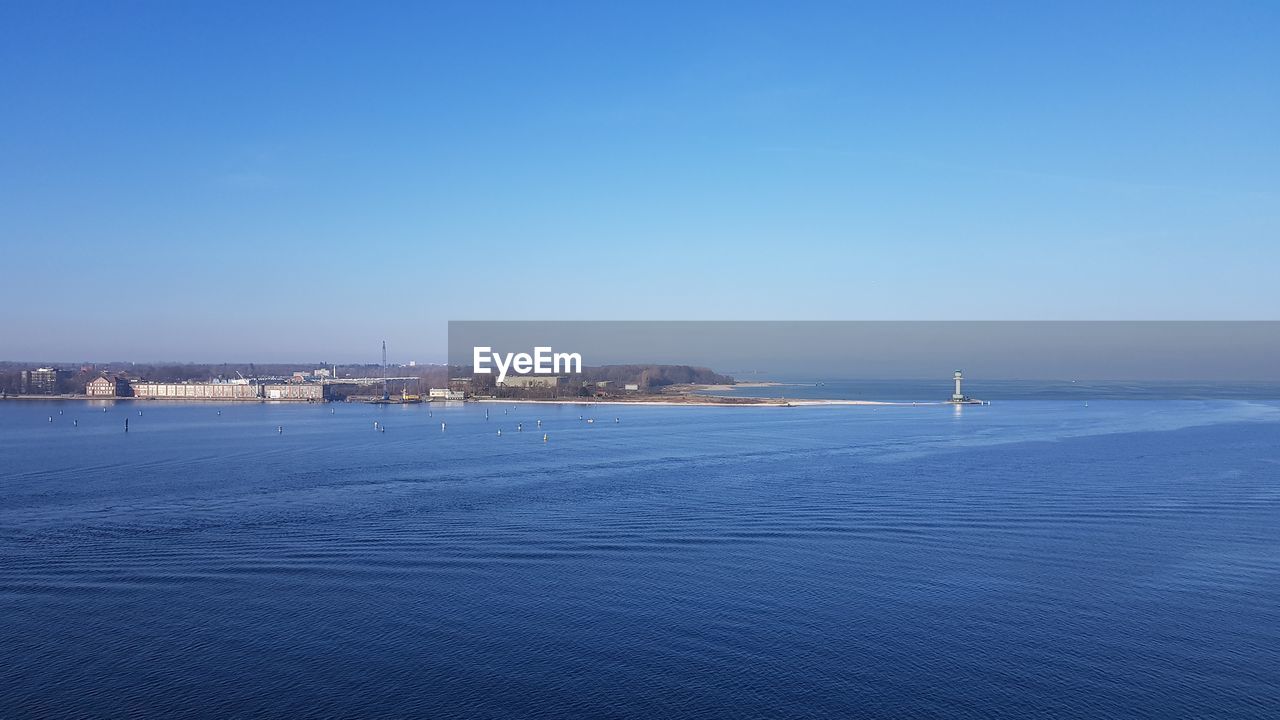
(647, 378)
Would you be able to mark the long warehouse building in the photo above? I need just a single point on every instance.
(226, 391)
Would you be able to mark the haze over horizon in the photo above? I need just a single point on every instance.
(275, 182)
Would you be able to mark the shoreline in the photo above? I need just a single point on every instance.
(649, 400)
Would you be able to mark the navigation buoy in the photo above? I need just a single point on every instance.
(616, 420)
(519, 427)
(441, 426)
(544, 437)
(50, 418)
(499, 433)
(280, 429)
(75, 423)
(539, 423)
(126, 424)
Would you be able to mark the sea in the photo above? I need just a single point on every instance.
(1060, 557)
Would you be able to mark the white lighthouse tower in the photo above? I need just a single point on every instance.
(958, 397)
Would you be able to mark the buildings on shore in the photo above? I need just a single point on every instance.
(107, 386)
(231, 390)
(311, 392)
(315, 387)
(41, 381)
(533, 381)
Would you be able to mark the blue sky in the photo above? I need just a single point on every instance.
(281, 181)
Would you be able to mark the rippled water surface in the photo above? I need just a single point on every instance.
(1030, 558)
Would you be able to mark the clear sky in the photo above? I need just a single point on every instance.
(297, 181)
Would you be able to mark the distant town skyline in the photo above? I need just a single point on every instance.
(236, 182)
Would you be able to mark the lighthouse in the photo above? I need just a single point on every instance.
(958, 397)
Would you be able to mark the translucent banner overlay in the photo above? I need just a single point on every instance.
(902, 360)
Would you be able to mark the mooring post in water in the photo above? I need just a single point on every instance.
(126, 424)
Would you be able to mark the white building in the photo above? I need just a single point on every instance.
(533, 381)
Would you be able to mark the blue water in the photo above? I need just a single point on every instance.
(1026, 559)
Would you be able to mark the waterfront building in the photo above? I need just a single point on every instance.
(293, 391)
(107, 386)
(532, 381)
(41, 381)
(194, 390)
(445, 394)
